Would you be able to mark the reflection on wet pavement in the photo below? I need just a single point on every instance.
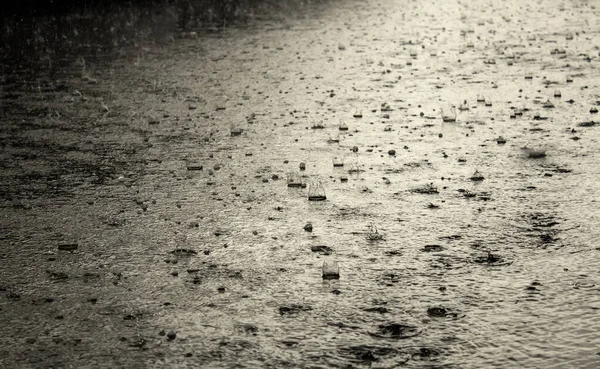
(156, 207)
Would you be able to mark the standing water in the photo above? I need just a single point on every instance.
(187, 244)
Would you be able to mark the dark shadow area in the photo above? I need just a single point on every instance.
(38, 37)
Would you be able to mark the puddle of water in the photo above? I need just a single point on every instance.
(178, 201)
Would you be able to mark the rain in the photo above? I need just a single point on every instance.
(300, 184)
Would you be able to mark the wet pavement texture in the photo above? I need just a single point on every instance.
(155, 213)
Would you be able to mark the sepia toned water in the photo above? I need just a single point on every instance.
(192, 250)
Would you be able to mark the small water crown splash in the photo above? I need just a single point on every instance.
(334, 138)
(338, 161)
(413, 52)
(331, 270)
(448, 114)
(477, 176)
(373, 234)
(316, 191)
(353, 164)
(548, 104)
(318, 125)
(534, 153)
(294, 179)
(235, 129)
